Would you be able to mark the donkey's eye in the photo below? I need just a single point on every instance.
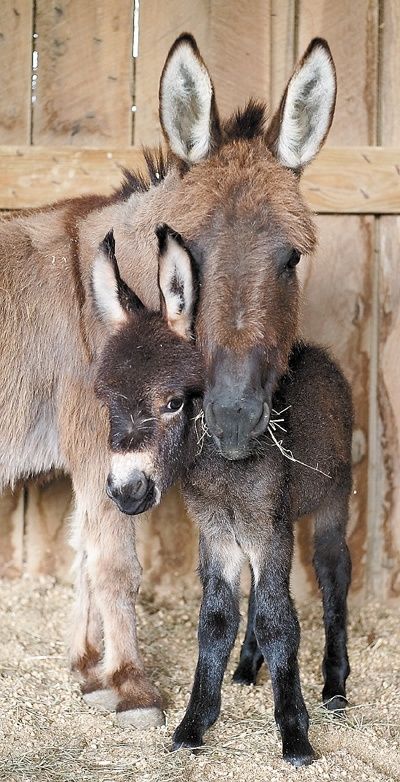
(293, 259)
(174, 405)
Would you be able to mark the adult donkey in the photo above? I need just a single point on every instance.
(232, 190)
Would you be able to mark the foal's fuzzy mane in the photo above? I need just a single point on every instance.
(246, 124)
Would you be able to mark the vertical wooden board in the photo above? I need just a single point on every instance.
(233, 39)
(283, 44)
(11, 532)
(384, 557)
(85, 71)
(338, 284)
(385, 545)
(351, 30)
(16, 71)
(48, 508)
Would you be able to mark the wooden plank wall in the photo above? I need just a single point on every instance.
(85, 85)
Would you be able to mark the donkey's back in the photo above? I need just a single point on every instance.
(39, 321)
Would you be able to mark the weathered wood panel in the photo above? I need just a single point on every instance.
(233, 39)
(338, 286)
(85, 72)
(16, 71)
(358, 180)
(384, 527)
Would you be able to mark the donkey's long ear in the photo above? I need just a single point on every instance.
(112, 297)
(188, 112)
(177, 281)
(300, 126)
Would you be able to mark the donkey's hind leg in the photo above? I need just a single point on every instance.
(251, 658)
(333, 569)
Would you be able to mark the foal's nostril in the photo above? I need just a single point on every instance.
(138, 487)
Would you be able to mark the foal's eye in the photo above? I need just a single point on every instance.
(174, 405)
(293, 260)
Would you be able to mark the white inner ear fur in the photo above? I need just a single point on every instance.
(105, 291)
(186, 81)
(175, 267)
(308, 110)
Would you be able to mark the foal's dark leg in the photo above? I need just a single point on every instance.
(218, 626)
(278, 635)
(333, 568)
(251, 658)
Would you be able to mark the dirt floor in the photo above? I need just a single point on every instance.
(49, 734)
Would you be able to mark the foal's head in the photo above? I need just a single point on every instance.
(149, 374)
(247, 226)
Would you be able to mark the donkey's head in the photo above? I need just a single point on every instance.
(247, 225)
(149, 374)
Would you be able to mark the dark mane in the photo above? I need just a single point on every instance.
(246, 123)
(158, 165)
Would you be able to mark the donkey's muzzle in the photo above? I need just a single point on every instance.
(135, 496)
(235, 424)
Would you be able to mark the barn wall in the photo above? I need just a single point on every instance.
(74, 102)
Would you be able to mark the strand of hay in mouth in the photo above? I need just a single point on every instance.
(275, 423)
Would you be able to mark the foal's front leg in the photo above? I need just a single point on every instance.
(220, 563)
(278, 635)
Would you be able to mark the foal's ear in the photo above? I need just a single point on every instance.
(112, 296)
(177, 281)
(301, 124)
(188, 112)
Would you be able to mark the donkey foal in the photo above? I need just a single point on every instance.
(150, 378)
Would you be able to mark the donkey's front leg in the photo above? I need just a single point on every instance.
(278, 636)
(220, 563)
(115, 574)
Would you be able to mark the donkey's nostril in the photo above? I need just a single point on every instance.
(262, 423)
(211, 420)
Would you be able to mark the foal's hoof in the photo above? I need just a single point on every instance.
(301, 755)
(141, 718)
(337, 703)
(183, 740)
(244, 674)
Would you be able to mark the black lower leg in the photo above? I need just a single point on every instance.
(251, 658)
(278, 635)
(333, 568)
(218, 626)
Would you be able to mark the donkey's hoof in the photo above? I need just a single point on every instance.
(142, 718)
(337, 703)
(105, 700)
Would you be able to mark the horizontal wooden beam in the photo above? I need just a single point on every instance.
(349, 180)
